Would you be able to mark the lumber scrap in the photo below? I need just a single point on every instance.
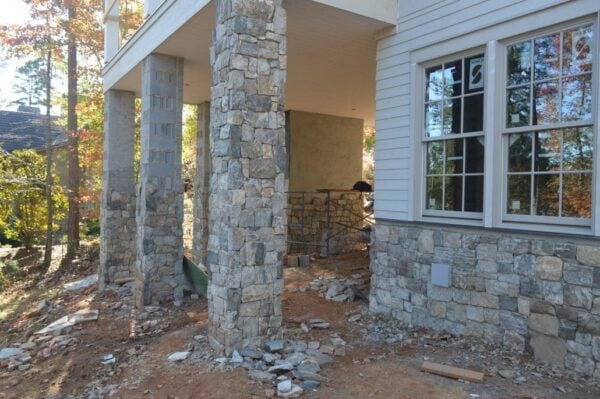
(452, 372)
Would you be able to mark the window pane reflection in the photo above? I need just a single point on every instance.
(546, 103)
(517, 106)
(433, 119)
(434, 84)
(577, 195)
(452, 113)
(578, 148)
(519, 152)
(453, 79)
(577, 50)
(434, 193)
(454, 156)
(435, 158)
(546, 193)
(519, 194)
(547, 151)
(473, 115)
(547, 57)
(577, 98)
(519, 63)
(474, 155)
(474, 193)
(453, 193)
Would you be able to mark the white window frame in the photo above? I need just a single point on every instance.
(423, 140)
(505, 131)
(494, 47)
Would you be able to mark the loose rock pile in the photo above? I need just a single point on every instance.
(288, 367)
(339, 289)
(294, 366)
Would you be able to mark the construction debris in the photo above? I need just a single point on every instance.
(452, 372)
(178, 356)
(339, 289)
(69, 321)
(81, 284)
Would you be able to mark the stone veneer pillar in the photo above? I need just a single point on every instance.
(160, 199)
(202, 185)
(247, 221)
(117, 233)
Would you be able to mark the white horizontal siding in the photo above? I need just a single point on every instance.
(422, 25)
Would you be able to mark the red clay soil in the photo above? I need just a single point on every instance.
(143, 371)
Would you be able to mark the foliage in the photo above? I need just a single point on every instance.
(368, 154)
(8, 272)
(190, 129)
(31, 84)
(23, 213)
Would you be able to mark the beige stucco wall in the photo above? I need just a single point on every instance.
(325, 151)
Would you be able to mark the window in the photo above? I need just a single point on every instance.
(453, 127)
(549, 126)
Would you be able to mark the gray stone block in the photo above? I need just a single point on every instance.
(580, 275)
(548, 349)
(579, 364)
(577, 296)
(543, 324)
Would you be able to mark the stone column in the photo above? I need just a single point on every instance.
(247, 221)
(117, 213)
(202, 185)
(160, 198)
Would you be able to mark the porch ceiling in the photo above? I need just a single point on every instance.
(331, 59)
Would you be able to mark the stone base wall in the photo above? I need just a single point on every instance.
(540, 294)
(118, 229)
(326, 215)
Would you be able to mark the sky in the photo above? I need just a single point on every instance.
(13, 12)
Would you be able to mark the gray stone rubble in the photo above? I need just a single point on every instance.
(339, 289)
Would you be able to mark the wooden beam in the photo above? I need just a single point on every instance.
(452, 372)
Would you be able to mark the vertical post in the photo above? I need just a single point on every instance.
(247, 229)
(112, 40)
(202, 185)
(160, 200)
(117, 213)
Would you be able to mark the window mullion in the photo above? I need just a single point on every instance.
(532, 202)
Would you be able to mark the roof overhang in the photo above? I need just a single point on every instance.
(331, 52)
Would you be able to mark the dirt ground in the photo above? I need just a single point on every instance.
(369, 369)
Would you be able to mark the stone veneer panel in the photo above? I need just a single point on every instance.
(247, 220)
(160, 199)
(118, 229)
(540, 293)
(312, 221)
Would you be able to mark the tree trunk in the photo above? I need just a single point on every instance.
(49, 182)
(73, 143)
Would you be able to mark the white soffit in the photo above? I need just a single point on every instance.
(331, 59)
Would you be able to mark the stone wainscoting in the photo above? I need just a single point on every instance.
(526, 292)
(318, 222)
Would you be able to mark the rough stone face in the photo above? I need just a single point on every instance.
(548, 349)
(580, 297)
(247, 219)
(160, 199)
(117, 213)
(588, 255)
(543, 324)
(549, 267)
(504, 288)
